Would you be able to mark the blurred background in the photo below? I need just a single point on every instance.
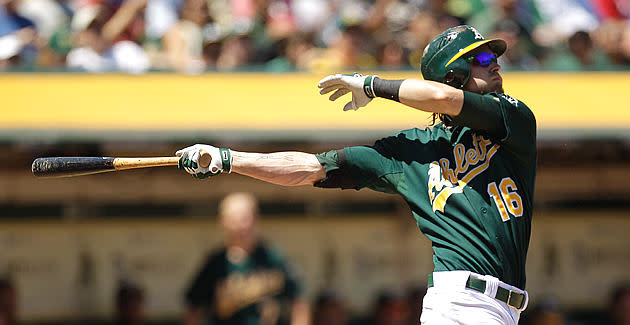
(148, 77)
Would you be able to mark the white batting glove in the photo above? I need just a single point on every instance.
(359, 85)
(189, 160)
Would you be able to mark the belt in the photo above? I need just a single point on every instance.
(510, 297)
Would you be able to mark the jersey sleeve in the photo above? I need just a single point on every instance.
(201, 290)
(504, 118)
(357, 167)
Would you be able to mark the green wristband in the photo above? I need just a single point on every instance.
(368, 86)
(226, 159)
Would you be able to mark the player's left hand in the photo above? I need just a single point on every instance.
(189, 161)
(359, 85)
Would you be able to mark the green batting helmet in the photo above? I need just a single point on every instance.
(443, 59)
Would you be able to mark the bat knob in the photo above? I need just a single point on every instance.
(204, 159)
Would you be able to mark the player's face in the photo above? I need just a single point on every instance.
(239, 222)
(484, 72)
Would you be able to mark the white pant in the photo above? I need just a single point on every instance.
(449, 302)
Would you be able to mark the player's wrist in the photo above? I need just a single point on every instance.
(368, 85)
(384, 88)
(226, 160)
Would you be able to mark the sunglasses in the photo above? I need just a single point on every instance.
(483, 59)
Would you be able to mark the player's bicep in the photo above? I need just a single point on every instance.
(506, 119)
(520, 126)
(337, 172)
(481, 113)
(358, 167)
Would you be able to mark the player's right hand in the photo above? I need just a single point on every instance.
(189, 161)
(345, 83)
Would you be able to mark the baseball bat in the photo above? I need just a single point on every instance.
(78, 166)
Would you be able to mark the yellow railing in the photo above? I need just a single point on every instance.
(276, 101)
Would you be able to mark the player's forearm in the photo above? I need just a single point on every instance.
(282, 168)
(431, 96)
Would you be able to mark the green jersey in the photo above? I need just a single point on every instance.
(468, 181)
(242, 293)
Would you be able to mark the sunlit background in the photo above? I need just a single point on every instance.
(136, 78)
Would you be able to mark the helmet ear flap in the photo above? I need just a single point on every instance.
(458, 75)
(450, 77)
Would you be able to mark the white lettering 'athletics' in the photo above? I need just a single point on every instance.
(444, 181)
(451, 35)
(477, 33)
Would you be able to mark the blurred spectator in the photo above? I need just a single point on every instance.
(392, 55)
(619, 305)
(435, 17)
(561, 19)
(420, 31)
(245, 281)
(310, 15)
(106, 38)
(160, 16)
(10, 20)
(279, 20)
(625, 41)
(18, 36)
(607, 9)
(8, 302)
(385, 19)
(88, 45)
(192, 36)
(609, 37)
(518, 55)
(51, 42)
(236, 52)
(350, 51)
(391, 308)
(521, 12)
(54, 53)
(236, 16)
(48, 16)
(13, 48)
(445, 19)
(296, 52)
(580, 55)
(624, 7)
(130, 305)
(415, 296)
(183, 41)
(210, 52)
(329, 309)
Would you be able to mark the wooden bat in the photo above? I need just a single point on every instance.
(78, 166)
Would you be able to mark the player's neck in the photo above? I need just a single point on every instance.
(238, 251)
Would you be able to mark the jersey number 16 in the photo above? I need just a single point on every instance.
(506, 198)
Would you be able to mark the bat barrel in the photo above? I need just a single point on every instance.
(71, 166)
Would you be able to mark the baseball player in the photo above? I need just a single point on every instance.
(469, 179)
(245, 281)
